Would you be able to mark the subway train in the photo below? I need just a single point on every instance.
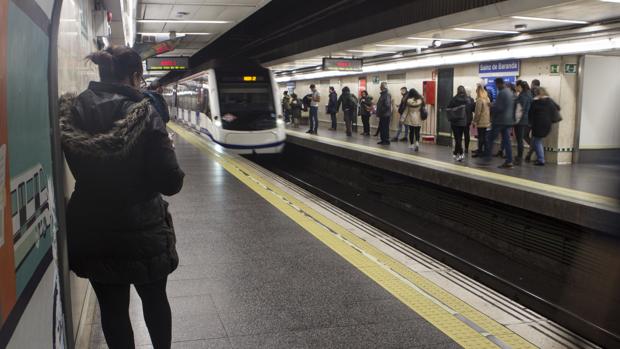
(237, 108)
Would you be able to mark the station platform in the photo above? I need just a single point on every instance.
(584, 194)
(266, 264)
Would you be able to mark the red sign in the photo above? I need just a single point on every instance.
(361, 86)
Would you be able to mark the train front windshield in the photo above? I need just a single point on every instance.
(246, 103)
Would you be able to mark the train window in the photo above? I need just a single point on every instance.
(43, 180)
(21, 189)
(37, 188)
(14, 205)
(206, 106)
(251, 106)
(30, 189)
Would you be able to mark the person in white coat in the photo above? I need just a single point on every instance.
(412, 117)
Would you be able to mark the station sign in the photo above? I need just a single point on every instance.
(509, 67)
(167, 63)
(342, 64)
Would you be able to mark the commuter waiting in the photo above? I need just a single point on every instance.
(543, 113)
(402, 106)
(482, 118)
(315, 98)
(522, 128)
(413, 118)
(331, 107)
(286, 106)
(348, 102)
(458, 109)
(502, 120)
(296, 106)
(365, 111)
(119, 231)
(384, 112)
(470, 119)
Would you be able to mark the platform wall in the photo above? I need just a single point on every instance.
(562, 88)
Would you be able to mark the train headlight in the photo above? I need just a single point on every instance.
(280, 122)
(217, 123)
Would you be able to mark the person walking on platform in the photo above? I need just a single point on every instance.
(402, 106)
(522, 128)
(286, 106)
(458, 108)
(348, 102)
(331, 107)
(543, 113)
(384, 112)
(413, 118)
(365, 110)
(296, 106)
(119, 230)
(482, 118)
(314, 110)
(502, 119)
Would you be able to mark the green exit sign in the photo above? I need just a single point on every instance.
(554, 69)
(570, 68)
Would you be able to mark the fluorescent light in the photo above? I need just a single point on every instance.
(442, 39)
(616, 1)
(180, 21)
(402, 46)
(167, 33)
(487, 31)
(368, 51)
(541, 19)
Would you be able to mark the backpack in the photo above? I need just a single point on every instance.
(555, 116)
(456, 114)
(423, 112)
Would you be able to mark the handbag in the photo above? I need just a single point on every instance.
(423, 112)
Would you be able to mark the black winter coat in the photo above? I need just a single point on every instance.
(331, 105)
(459, 100)
(119, 230)
(540, 114)
(384, 105)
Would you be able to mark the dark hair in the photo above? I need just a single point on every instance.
(293, 95)
(499, 81)
(331, 88)
(413, 93)
(535, 91)
(346, 89)
(535, 82)
(366, 92)
(461, 90)
(116, 63)
(511, 87)
(312, 86)
(524, 85)
(285, 92)
(518, 82)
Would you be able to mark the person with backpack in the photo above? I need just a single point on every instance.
(365, 111)
(413, 117)
(458, 108)
(296, 106)
(286, 107)
(543, 113)
(348, 102)
(331, 107)
(402, 106)
(153, 93)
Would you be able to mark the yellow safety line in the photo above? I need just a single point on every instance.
(420, 294)
(612, 203)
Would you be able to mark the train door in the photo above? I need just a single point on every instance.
(445, 88)
(37, 196)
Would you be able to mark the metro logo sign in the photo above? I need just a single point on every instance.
(167, 63)
(342, 64)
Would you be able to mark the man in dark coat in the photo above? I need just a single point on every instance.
(331, 107)
(384, 112)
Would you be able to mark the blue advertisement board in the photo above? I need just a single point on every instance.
(509, 67)
(489, 84)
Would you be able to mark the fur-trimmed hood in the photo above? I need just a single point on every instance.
(103, 124)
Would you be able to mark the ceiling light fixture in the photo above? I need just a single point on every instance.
(442, 39)
(368, 51)
(180, 21)
(487, 31)
(615, 1)
(402, 46)
(167, 33)
(542, 19)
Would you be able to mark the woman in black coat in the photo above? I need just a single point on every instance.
(542, 112)
(119, 231)
(460, 116)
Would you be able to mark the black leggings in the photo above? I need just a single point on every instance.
(114, 305)
(414, 134)
(467, 138)
(458, 139)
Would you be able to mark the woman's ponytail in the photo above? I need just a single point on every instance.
(116, 63)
